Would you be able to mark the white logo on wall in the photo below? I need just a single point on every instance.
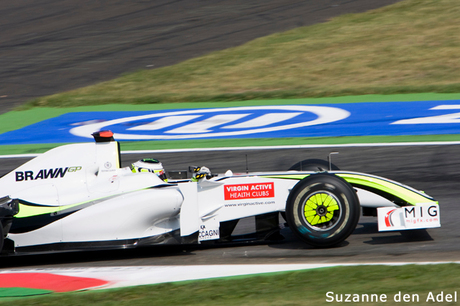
(216, 122)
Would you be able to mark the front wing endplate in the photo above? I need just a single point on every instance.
(408, 217)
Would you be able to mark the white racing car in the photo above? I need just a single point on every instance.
(78, 197)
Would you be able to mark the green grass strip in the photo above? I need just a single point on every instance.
(21, 292)
(307, 287)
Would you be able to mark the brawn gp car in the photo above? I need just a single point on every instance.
(78, 197)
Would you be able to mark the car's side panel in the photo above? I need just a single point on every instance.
(189, 213)
(129, 216)
(240, 197)
(231, 198)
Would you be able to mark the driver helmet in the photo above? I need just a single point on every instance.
(149, 165)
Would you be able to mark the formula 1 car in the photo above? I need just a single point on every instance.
(78, 197)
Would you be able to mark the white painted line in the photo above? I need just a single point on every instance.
(163, 123)
(20, 156)
(206, 125)
(264, 120)
(313, 146)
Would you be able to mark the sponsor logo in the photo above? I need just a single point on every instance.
(388, 222)
(44, 174)
(249, 191)
(255, 203)
(206, 233)
(218, 122)
(325, 120)
(420, 215)
(409, 217)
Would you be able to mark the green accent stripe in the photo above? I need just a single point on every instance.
(26, 210)
(30, 210)
(405, 193)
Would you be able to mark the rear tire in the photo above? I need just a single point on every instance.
(323, 210)
(313, 165)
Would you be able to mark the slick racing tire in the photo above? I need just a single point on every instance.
(322, 210)
(313, 165)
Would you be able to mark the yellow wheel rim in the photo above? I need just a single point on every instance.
(320, 208)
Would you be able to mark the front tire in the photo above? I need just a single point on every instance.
(322, 210)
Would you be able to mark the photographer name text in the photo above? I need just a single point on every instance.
(400, 297)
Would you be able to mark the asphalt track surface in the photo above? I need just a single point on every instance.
(432, 168)
(50, 46)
